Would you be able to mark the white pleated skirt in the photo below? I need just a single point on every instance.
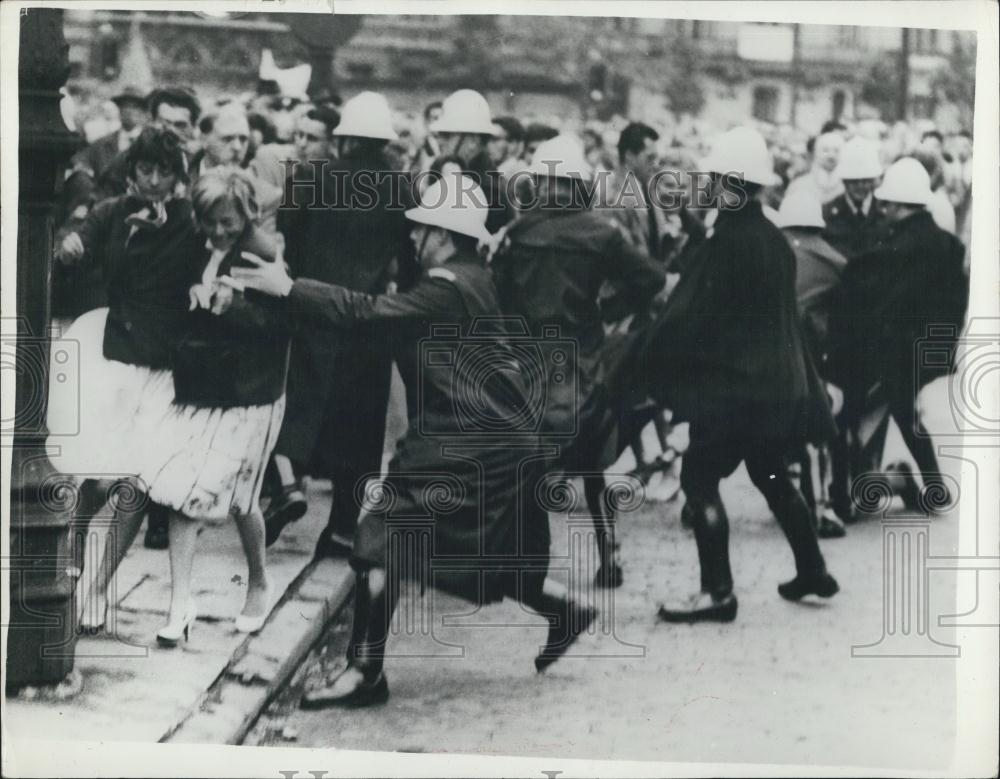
(120, 420)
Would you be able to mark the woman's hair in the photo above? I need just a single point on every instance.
(225, 184)
(157, 146)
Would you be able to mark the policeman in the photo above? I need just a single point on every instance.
(550, 271)
(346, 227)
(896, 296)
(855, 221)
(727, 355)
(817, 287)
(463, 130)
(474, 494)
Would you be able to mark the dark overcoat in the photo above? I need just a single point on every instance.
(727, 353)
(818, 268)
(463, 476)
(551, 272)
(909, 294)
(338, 385)
(852, 234)
(96, 157)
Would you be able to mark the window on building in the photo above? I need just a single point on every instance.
(361, 70)
(847, 36)
(413, 72)
(765, 103)
(923, 106)
(186, 54)
(924, 41)
(839, 101)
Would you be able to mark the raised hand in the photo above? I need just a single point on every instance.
(271, 278)
(71, 248)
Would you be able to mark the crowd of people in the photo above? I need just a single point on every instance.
(766, 296)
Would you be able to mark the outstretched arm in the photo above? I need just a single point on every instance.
(341, 307)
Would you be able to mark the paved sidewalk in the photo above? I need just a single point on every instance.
(134, 690)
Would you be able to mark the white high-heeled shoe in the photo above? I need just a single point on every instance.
(245, 624)
(170, 635)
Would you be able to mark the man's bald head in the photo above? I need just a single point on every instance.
(226, 134)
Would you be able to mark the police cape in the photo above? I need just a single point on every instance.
(727, 353)
(457, 509)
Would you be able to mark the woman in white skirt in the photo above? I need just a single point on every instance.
(149, 252)
(229, 398)
(199, 453)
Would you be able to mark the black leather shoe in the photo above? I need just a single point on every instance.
(564, 628)
(332, 546)
(366, 693)
(157, 536)
(287, 507)
(687, 516)
(609, 576)
(823, 585)
(830, 526)
(903, 484)
(845, 513)
(703, 607)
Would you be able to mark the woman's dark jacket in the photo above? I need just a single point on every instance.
(148, 277)
(239, 358)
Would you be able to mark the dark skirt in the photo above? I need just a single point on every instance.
(461, 518)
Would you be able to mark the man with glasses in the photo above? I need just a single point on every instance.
(175, 108)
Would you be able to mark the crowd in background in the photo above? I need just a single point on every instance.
(946, 154)
(866, 222)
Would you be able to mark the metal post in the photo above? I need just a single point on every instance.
(902, 105)
(42, 631)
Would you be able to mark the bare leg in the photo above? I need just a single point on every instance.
(183, 534)
(661, 421)
(251, 530)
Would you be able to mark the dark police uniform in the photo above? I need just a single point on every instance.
(909, 292)
(852, 233)
(727, 355)
(459, 487)
(551, 272)
(338, 385)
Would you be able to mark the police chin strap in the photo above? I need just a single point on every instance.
(420, 249)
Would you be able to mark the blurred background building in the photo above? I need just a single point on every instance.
(577, 68)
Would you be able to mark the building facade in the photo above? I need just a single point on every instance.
(573, 68)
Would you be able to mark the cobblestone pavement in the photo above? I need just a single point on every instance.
(778, 685)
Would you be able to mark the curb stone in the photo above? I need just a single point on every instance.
(265, 662)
